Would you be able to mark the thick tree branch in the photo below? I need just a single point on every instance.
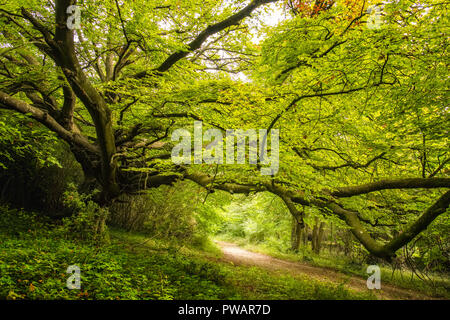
(438, 208)
(206, 181)
(68, 107)
(413, 183)
(439, 168)
(386, 251)
(91, 98)
(205, 34)
(8, 102)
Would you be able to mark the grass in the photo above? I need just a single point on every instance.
(401, 278)
(249, 283)
(35, 254)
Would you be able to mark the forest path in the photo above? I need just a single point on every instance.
(238, 256)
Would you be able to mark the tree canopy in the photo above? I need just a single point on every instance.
(362, 111)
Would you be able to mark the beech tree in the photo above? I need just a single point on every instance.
(362, 111)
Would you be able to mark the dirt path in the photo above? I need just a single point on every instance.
(238, 256)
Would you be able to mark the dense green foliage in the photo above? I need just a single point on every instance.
(35, 254)
(422, 266)
(87, 116)
(35, 168)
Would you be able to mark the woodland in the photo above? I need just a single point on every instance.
(92, 93)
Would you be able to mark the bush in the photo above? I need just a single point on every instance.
(169, 213)
(35, 168)
(87, 220)
(34, 256)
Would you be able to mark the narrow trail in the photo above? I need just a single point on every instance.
(241, 257)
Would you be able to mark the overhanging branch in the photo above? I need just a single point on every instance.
(413, 183)
(8, 102)
(205, 34)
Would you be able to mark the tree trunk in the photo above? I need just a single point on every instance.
(317, 236)
(320, 237)
(331, 238)
(347, 242)
(305, 235)
(296, 233)
(314, 235)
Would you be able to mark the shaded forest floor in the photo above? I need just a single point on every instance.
(35, 254)
(238, 256)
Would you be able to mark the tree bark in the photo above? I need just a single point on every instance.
(316, 242)
(296, 233)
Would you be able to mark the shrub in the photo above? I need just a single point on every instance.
(170, 213)
(87, 221)
(35, 168)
